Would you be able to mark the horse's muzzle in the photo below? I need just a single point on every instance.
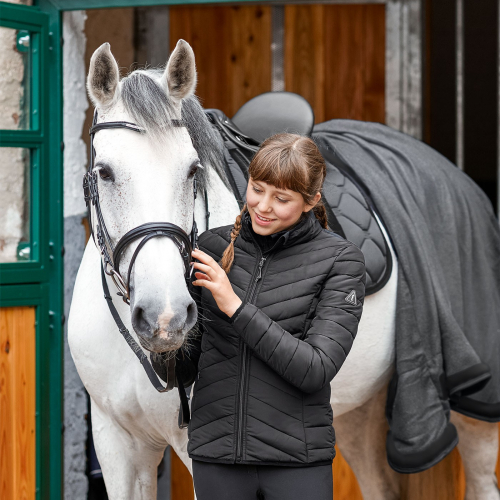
(164, 332)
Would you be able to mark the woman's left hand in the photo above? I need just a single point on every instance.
(215, 279)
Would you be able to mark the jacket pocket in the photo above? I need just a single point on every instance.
(311, 313)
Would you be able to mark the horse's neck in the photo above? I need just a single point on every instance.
(222, 204)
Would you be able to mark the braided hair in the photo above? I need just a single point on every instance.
(287, 161)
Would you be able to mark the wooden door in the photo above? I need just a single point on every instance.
(232, 46)
(335, 58)
(17, 403)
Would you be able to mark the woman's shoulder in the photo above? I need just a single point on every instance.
(341, 245)
(215, 239)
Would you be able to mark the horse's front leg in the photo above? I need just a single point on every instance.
(478, 447)
(361, 437)
(178, 441)
(129, 466)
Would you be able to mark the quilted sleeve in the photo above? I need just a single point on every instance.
(311, 363)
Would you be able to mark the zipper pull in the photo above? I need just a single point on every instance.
(261, 263)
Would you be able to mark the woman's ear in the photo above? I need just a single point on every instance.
(317, 197)
(315, 201)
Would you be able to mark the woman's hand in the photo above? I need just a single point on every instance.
(215, 279)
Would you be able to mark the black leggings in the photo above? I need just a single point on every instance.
(261, 482)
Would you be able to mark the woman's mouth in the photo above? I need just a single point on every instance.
(263, 221)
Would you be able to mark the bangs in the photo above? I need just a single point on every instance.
(281, 167)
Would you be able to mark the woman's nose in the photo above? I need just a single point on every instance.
(264, 206)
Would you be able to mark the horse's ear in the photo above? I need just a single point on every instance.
(103, 77)
(179, 78)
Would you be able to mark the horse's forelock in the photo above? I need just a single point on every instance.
(151, 108)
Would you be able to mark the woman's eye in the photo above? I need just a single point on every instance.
(279, 199)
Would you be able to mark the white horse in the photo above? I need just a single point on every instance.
(148, 178)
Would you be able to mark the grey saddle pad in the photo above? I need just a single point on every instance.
(350, 210)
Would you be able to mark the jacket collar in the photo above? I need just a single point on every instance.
(305, 230)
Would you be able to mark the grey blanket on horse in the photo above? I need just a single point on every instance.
(447, 240)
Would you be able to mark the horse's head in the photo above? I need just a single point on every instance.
(148, 177)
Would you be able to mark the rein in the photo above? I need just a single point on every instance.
(111, 256)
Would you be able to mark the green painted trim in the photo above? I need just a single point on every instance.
(110, 4)
(53, 102)
(20, 295)
(20, 138)
(21, 16)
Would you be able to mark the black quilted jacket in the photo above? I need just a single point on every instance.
(262, 393)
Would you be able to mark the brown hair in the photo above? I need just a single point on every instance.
(287, 161)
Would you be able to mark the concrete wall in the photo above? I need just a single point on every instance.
(75, 162)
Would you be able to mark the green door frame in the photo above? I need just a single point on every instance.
(62, 5)
(39, 282)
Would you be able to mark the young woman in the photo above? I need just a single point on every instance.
(279, 300)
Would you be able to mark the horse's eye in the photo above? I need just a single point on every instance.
(105, 174)
(193, 170)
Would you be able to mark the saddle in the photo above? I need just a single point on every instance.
(350, 210)
(273, 112)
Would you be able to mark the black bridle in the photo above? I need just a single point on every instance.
(111, 256)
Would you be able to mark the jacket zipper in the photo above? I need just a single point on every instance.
(243, 366)
(244, 356)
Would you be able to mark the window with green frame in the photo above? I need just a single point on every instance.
(24, 245)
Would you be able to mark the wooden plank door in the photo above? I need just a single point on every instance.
(335, 58)
(232, 46)
(17, 403)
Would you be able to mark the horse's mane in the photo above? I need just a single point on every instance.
(152, 109)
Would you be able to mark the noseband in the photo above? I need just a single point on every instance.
(111, 256)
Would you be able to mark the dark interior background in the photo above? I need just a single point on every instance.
(480, 87)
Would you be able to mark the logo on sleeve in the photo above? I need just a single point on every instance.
(351, 298)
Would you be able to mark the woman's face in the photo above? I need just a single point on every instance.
(280, 207)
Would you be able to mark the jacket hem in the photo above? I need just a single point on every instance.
(260, 462)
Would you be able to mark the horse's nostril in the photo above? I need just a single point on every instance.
(191, 313)
(139, 322)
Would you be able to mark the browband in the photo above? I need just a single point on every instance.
(130, 126)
